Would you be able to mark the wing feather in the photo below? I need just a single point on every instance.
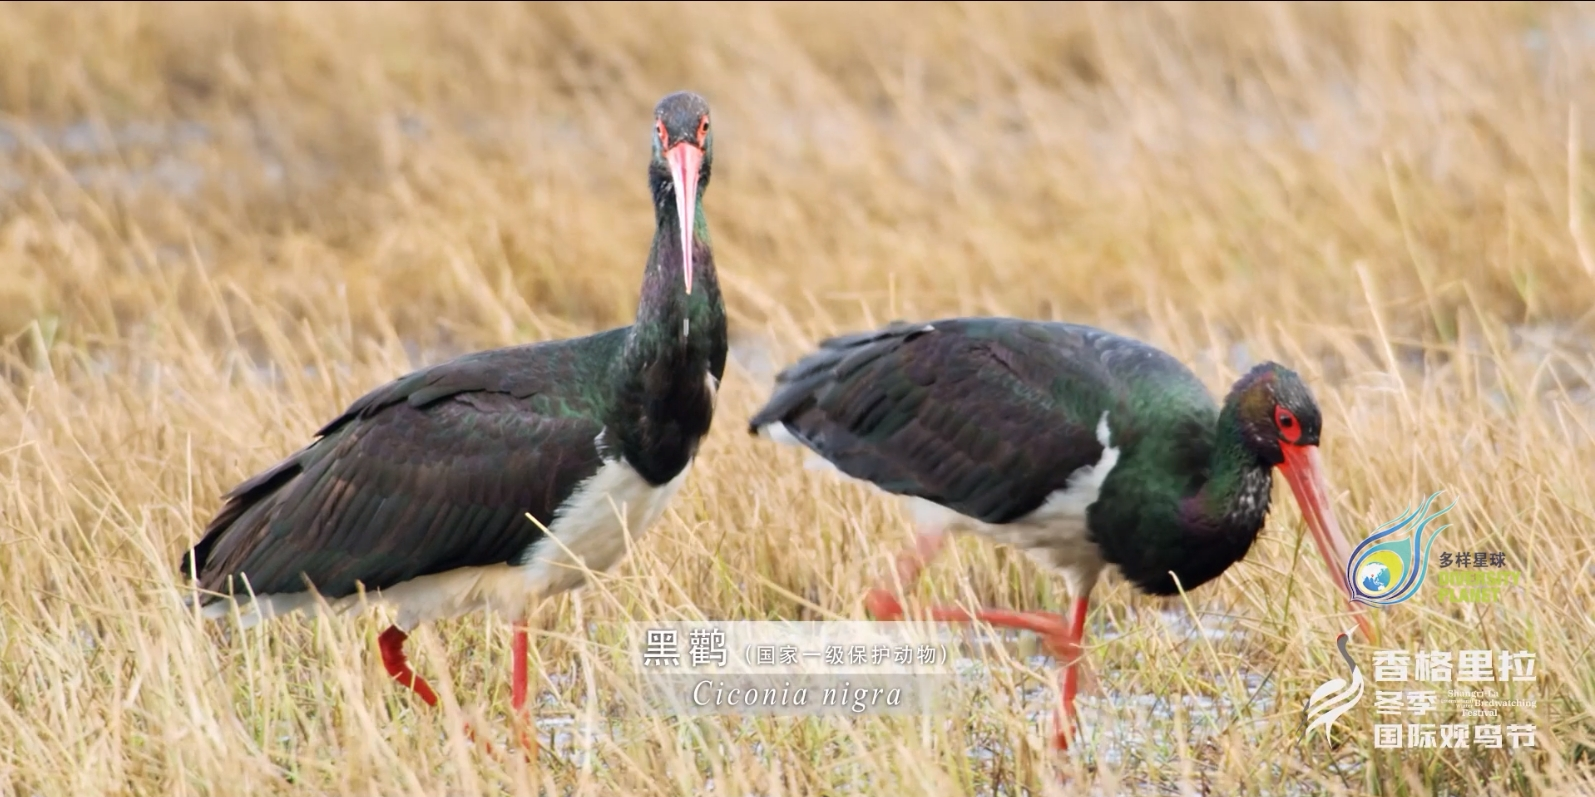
(965, 415)
(433, 471)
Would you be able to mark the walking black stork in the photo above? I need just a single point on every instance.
(421, 490)
(1077, 446)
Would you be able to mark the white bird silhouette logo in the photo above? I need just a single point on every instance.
(1335, 697)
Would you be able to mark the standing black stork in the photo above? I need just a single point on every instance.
(421, 490)
(1077, 446)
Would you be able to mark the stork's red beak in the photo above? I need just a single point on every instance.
(685, 159)
(1306, 476)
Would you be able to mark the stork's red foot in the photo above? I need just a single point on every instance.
(1068, 722)
(526, 735)
(1061, 638)
(391, 644)
(883, 606)
(470, 733)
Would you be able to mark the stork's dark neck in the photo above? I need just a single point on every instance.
(1234, 501)
(1196, 529)
(663, 401)
(665, 301)
(1221, 521)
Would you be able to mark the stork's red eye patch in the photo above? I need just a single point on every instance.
(1289, 427)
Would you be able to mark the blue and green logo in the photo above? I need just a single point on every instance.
(1386, 569)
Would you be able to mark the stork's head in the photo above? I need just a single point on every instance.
(683, 147)
(1280, 423)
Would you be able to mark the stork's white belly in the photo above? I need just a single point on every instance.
(588, 533)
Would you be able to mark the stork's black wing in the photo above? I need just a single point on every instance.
(985, 416)
(433, 471)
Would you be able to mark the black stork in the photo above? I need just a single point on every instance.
(424, 490)
(1077, 446)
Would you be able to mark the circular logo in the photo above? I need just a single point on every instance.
(1378, 573)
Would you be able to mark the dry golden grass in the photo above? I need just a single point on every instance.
(220, 223)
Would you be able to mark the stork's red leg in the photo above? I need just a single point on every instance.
(1063, 639)
(518, 668)
(523, 725)
(391, 643)
(928, 543)
(1068, 720)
